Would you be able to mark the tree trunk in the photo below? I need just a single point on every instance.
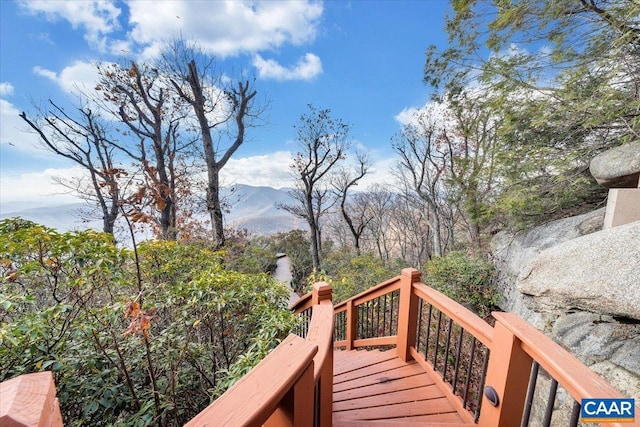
(215, 207)
(436, 239)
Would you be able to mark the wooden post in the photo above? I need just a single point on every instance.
(352, 319)
(30, 400)
(508, 374)
(407, 313)
(321, 292)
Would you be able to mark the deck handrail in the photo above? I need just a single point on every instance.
(511, 347)
(292, 386)
(275, 392)
(320, 333)
(520, 346)
(462, 315)
(466, 318)
(410, 292)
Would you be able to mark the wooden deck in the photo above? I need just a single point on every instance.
(377, 387)
(441, 351)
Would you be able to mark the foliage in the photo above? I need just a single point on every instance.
(562, 78)
(296, 245)
(249, 254)
(350, 275)
(465, 279)
(130, 343)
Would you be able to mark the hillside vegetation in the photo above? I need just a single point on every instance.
(133, 338)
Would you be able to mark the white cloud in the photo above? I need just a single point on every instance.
(380, 173)
(96, 18)
(38, 188)
(225, 28)
(270, 170)
(436, 111)
(81, 75)
(6, 89)
(13, 130)
(306, 68)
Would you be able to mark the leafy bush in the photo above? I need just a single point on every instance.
(130, 343)
(352, 275)
(249, 254)
(467, 280)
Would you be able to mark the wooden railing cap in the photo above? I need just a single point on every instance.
(323, 290)
(29, 400)
(413, 273)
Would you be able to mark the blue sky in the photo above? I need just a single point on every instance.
(361, 59)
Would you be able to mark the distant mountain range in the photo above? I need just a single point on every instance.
(251, 208)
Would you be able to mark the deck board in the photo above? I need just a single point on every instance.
(377, 387)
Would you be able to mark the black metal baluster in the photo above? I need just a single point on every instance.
(378, 332)
(426, 342)
(435, 354)
(458, 353)
(384, 315)
(485, 365)
(446, 350)
(550, 403)
(533, 379)
(575, 414)
(469, 372)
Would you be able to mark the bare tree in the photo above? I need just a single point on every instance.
(356, 215)
(143, 101)
(324, 142)
(84, 141)
(380, 203)
(223, 108)
(422, 166)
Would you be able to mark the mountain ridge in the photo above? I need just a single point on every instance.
(250, 207)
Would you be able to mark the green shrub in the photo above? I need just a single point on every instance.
(466, 279)
(355, 274)
(130, 344)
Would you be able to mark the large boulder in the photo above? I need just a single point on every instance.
(607, 346)
(618, 167)
(598, 273)
(514, 254)
(580, 286)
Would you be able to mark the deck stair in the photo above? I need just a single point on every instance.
(375, 386)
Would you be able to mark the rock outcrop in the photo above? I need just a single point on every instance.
(598, 273)
(618, 167)
(580, 285)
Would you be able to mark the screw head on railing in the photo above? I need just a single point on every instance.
(492, 395)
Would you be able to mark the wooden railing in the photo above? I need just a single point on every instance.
(464, 352)
(292, 386)
(444, 337)
(488, 373)
(519, 351)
